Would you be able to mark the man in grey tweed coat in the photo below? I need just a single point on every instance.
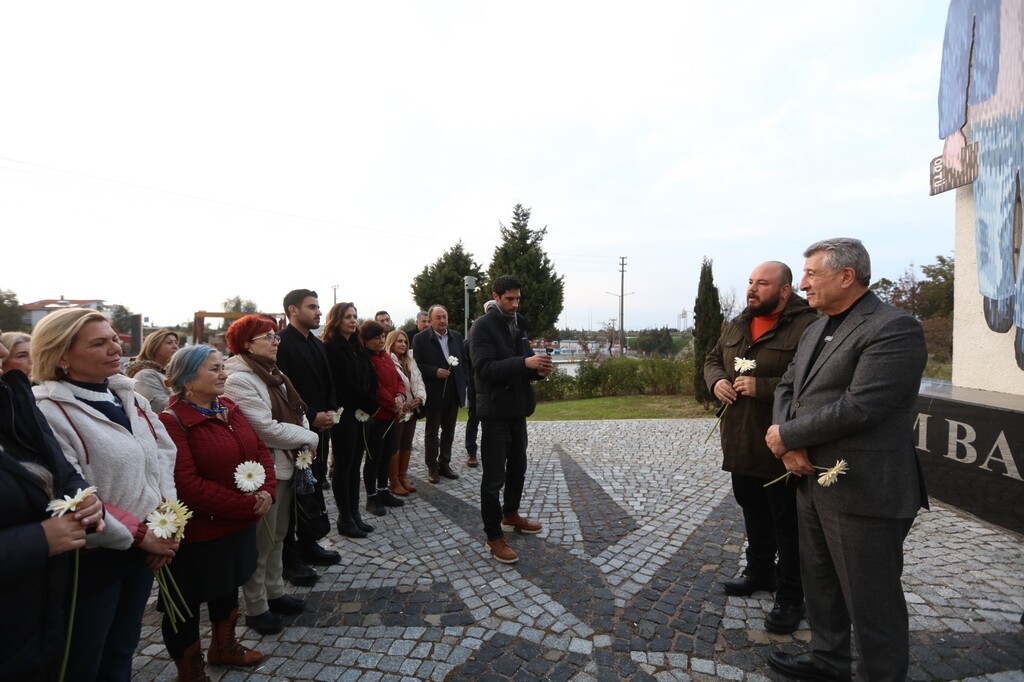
(849, 395)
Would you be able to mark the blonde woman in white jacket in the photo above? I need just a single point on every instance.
(279, 419)
(397, 344)
(111, 436)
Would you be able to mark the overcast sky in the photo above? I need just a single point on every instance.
(167, 156)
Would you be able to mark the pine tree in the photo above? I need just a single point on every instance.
(707, 327)
(520, 255)
(443, 284)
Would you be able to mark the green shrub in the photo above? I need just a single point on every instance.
(558, 386)
(599, 378)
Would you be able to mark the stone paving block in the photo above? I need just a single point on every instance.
(626, 565)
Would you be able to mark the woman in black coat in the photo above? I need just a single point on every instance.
(35, 549)
(355, 384)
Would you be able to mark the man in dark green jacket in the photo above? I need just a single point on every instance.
(765, 333)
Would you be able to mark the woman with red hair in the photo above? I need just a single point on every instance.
(278, 415)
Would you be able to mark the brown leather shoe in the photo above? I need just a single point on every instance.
(501, 551)
(515, 522)
(432, 475)
(472, 462)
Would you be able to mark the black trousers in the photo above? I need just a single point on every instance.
(382, 438)
(290, 552)
(770, 518)
(347, 445)
(472, 422)
(503, 455)
(438, 449)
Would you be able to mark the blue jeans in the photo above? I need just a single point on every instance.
(113, 587)
(1000, 156)
(503, 455)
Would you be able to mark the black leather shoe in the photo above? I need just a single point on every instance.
(299, 574)
(287, 604)
(266, 623)
(784, 618)
(389, 500)
(805, 667)
(446, 471)
(315, 555)
(348, 528)
(744, 586)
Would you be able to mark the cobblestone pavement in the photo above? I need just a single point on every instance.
(622, 583)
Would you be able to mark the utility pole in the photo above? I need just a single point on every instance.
(622, 297)
(335, 287)
(622, 306)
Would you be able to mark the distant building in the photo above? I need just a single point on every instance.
(37, 310)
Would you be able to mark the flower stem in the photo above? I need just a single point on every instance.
(181, 597)
(71, 620)
(717, 422)
(783, 476)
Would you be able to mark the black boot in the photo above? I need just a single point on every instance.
(353, 500)
(347, 526)
(374, 505)
(389, 500)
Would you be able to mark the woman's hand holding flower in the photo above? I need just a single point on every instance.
(63, 534)
(263, 502)
(158, 552)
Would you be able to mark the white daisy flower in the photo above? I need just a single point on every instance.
(164, 524)
(362, 416)
(742, 365)
(303, 460)
(831, 475)
(250, 476)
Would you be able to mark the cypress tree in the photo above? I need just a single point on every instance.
(707, 327)
(520, 254)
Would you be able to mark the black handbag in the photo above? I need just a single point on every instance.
(311, 520)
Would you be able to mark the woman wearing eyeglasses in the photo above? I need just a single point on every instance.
(278, 415)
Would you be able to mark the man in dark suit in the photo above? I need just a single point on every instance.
(849, 396)
(434, 349)
(302, 358)
(503, 367)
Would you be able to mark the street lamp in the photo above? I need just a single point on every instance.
(469, 282)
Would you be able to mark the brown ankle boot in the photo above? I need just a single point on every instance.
(225, 649)
(393, 483)
(403, 469)
(191, 667)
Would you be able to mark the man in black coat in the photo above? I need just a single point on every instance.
(302, 358)
(440, 353)
(503, 367)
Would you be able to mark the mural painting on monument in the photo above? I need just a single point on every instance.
(981, 121)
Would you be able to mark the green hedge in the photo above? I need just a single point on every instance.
(617, 377)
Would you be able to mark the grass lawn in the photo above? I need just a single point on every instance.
(619, 407)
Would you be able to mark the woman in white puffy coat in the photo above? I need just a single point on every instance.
(111, 436)
(397, 344)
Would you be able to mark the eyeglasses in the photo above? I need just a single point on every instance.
(269, 336)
